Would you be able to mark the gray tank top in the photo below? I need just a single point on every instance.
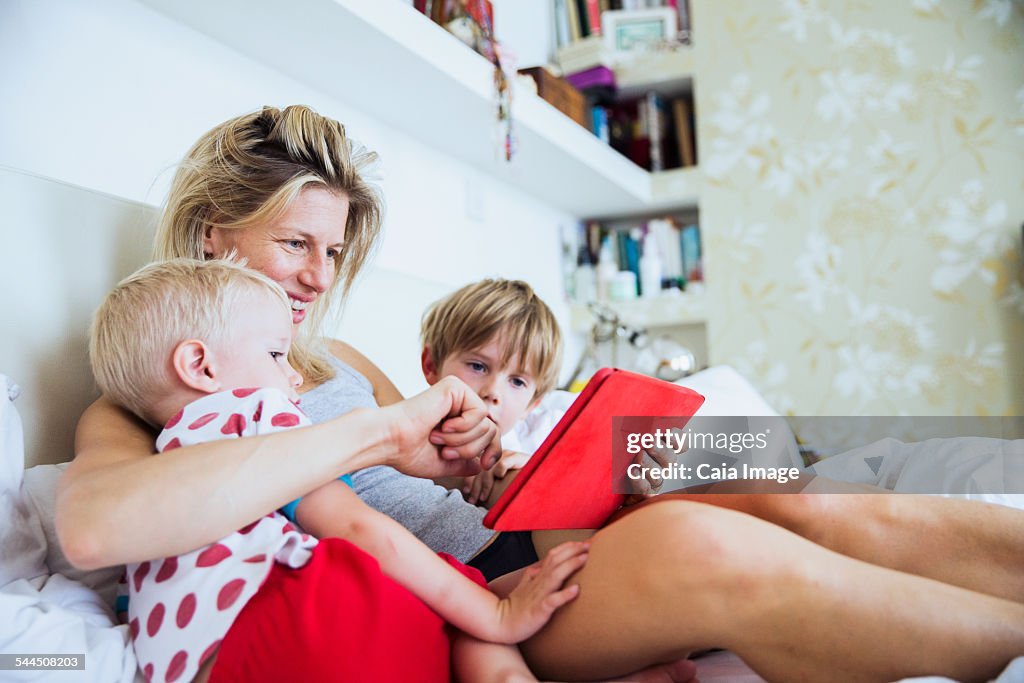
(438, 517)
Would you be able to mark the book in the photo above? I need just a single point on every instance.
(584, 18)
(599, 123)
(576, 478)
(692, 263)
(573, 11)
(594, 14)
(657, 130)
(666, 235)
(562, 35)
(684, 132)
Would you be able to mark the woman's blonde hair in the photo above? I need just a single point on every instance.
(508, 310)
(247, 170)
(135, 330)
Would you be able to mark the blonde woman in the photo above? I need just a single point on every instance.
(286, 190)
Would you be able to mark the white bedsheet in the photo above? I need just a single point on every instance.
(976, 468)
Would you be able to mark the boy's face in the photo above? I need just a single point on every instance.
(508, 390)
(256, 352)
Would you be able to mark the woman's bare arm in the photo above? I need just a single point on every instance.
(116, 504)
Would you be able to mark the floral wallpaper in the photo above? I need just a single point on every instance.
(863, 165)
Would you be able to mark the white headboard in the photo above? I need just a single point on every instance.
(64, 247)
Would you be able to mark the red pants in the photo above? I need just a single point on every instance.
(336, 619)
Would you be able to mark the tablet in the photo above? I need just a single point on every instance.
(570, 482)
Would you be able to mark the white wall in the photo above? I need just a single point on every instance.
(109, 95)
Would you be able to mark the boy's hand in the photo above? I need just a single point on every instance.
(540, 592)
(477, 489)
(650, 486)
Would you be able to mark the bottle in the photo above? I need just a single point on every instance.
(607, 269)
(623, 286)
(650, 269)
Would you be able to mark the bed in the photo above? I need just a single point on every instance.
(64, 248)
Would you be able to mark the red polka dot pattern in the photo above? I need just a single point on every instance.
(186, 610)
(285, 420)
(248, 527)
(148, 672)
(140, 574)
(175, 420)
(177, 666)
(156, 619)
(229, 593)
(215, 554)
(167, 569)
(208, 652)
(235, 425)
(184, 605)
(203, 421)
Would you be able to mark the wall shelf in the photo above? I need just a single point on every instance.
(663, 311)
(387, 59)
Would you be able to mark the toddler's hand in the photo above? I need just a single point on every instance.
(477, 489)
(540, 592)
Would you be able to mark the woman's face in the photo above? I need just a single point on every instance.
(299, 250)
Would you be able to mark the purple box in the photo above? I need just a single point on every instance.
(594, 77)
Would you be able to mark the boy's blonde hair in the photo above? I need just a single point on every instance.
(509, 309)
(136, 328)
(247, 171)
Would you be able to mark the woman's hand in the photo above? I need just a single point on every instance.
(444, 431)
(477, 488)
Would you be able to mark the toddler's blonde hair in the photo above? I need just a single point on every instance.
(496, 308)
(138, 325)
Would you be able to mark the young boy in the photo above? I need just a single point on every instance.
(201, 347)
(502, 340)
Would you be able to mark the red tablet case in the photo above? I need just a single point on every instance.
(567, 484)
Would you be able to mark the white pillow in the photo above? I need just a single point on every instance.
(727, 392)
(21, 537)
(40, 491)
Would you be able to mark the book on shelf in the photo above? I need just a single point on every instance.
(563, 36)
(656, 114)
(692, 258)
(666, 236)
(682, 116)
(594, 16)
(599, 123)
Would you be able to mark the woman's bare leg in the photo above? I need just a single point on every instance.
(974, 545)
(678, 576)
